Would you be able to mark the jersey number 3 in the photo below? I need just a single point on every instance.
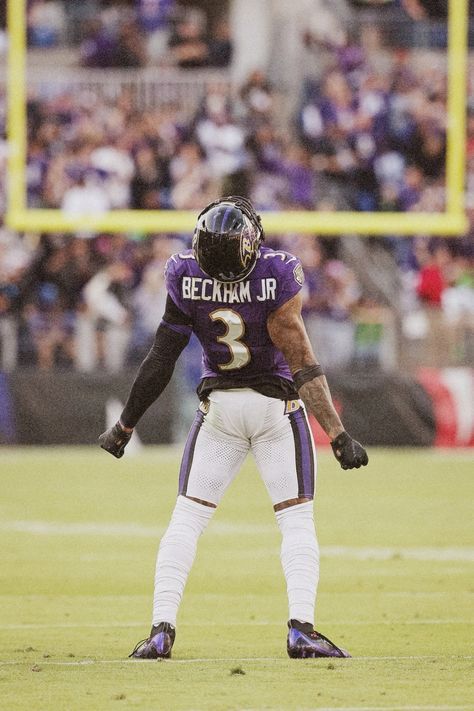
(235, 330)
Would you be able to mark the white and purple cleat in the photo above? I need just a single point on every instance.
(305, 643)
(158, 645)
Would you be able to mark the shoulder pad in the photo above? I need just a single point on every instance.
(283, 256)
(177, 262)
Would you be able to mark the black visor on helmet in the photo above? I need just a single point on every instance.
(226, 241)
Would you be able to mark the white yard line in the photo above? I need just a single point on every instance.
(217, 660)
(252, 623)
(136, 530)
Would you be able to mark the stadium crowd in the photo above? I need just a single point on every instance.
(369, 134)
(95, 303)
(361, 140)
(132, 33)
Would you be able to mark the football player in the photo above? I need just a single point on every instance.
(260, 378)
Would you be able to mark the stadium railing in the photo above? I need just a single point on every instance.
(148, 87)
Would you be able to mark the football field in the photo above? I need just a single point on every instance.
(79, 532)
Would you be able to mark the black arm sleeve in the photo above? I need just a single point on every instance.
(157, 368)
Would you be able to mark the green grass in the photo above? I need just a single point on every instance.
(79, 533)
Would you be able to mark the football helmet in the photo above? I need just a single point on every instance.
(226, 239)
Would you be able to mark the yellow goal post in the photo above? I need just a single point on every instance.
(453, 221)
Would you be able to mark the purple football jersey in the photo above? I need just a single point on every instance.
(230, 319)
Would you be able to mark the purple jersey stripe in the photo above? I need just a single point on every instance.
(303, 453)
(309, 440)
(188, 453)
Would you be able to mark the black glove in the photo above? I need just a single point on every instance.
(114, 440)
(349, 453)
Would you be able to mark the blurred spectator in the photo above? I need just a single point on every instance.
(98, 46)
(129, 51)
(3, 161)
(266, 147)
(457, 299)
(375, 339)
(296, 166)
(103, 323)
(188, 46)
(220, 44)
(257, 97)
(330, 298)
(154, 18)
(192, 182)
(8, 327)
(410, 191)
(80, 266)
(311, 255)
(114, 163)
(14, 260)
(432, 283)
(113, 39)
(50, 327)
(221, 137)
(422, 9)
(150, 179)
(46, 23)
(86, 195)
(340, 293)
(3, 16)
(150, 295)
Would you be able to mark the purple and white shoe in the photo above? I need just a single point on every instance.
(305, 643)
(158, 645)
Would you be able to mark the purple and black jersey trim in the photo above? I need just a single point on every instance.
(303, 453)
(267, 384)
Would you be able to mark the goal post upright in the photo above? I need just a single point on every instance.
(458, 22)
(451, 222)
(16, 108)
